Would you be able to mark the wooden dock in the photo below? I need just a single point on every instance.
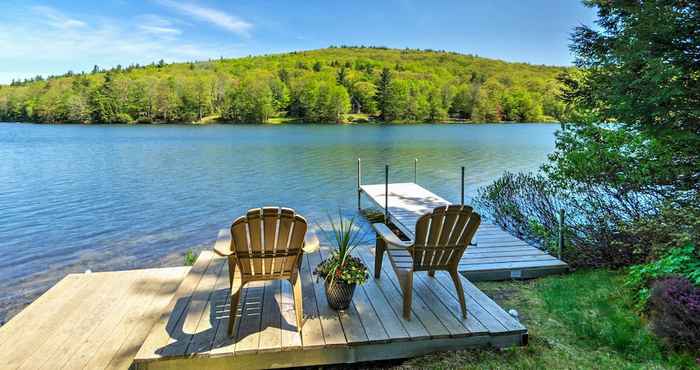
(497, 255)
(90, 321)
(194, 335)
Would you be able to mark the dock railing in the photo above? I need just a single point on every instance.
(386, 185)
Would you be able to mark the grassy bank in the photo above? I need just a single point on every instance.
(578, 321)
(583, 320)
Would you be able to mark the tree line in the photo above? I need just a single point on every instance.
(324, 85)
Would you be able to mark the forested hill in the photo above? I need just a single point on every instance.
(327, 85)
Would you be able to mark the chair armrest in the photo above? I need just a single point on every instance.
(222, 247)
(311, 242)
(389, 237)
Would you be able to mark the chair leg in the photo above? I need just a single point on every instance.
(231, 270)
(298, 304)
(235, 298)
(380, 246)
(460, 291)
(407, 295)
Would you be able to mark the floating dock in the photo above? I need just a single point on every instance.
(497, 255)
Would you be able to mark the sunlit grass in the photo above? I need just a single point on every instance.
(583, 320)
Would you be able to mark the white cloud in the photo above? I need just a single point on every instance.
(31, 45)
(158, 30)
(56, 19)
(214, 16)
(157, 25)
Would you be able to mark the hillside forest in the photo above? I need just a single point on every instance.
(337, 84)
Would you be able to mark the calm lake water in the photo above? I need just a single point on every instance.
(117, 197)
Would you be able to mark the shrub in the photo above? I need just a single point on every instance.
(527, 205)
(682, 261)
(675, 312)
(190, 258)
(604, 226)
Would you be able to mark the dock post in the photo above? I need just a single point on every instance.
(386, 194)
(415, 170)
(462, 185)
(359, 184)
(561, 233)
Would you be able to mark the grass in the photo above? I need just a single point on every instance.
(583, 320)
(189, 258)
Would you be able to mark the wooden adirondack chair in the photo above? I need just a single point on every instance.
(267, 244)
(441, 239)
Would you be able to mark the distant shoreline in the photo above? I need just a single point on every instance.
(291, 123)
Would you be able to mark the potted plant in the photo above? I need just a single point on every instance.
(341, 270)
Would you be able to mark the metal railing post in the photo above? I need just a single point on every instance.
(386, 193)
(415, 170)
(561, 233)
(359, 184)
(462, 185)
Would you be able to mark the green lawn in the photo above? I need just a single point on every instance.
(581, 320)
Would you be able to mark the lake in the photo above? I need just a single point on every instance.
(77, 197)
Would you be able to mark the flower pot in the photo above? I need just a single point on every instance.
(339, 294)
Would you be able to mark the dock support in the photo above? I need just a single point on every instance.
(415, 170)
(561, 233)
(359, 184)
(386, 194)
(462, 185)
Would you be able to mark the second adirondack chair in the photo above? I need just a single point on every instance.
(441, 238)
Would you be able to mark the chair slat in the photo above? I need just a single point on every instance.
(255, 231)
(451, 216)
(270, 219)
(436, 222)
(240, 243)
(283, 236)
(459, 225)
(296, 241)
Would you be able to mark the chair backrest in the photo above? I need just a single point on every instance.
(442, 236)
(268, 241)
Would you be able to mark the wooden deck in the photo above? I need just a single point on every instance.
(194, 335)
(91, 321)
(497, 254)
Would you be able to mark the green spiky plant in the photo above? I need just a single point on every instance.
(341, 264)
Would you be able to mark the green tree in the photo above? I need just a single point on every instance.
(384, 95)
(362, 96)
(644, 75)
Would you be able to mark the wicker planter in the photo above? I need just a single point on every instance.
(339, 294)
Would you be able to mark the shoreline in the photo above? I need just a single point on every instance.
(289, 123)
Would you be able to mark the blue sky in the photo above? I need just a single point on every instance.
(52, 37)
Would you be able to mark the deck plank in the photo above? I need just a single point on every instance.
(217, 287)
(270, 333)
(93, 318)
(330, 321)
(248, 334)
(289, 335)
(353, 325)
(414, 328)
(421, 311)
(312, 335)
(122, 359)
(76, 324)
(160, 336)
(119, 332)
